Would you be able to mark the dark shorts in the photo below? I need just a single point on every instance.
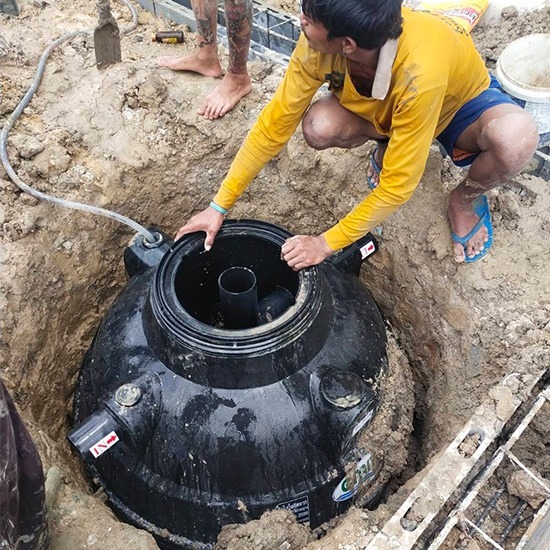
(468, 114)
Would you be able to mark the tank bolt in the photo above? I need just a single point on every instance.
(342, 389)
(128, 395)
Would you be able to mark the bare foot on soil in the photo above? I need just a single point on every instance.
(195, 62)
(379, 158)
(225, 95)
(462, 219)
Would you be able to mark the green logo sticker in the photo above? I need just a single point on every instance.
(363, 472)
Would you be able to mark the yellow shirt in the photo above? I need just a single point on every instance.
(421, 81)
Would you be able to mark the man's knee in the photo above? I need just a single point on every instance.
(317, 129)
(513, 138)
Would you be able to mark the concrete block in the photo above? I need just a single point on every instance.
(174, 12)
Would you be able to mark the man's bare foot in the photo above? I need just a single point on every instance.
(197, 62)
(225, 95)
(372, 175)
(463, 219)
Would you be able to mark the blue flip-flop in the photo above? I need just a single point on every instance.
(376, 167)
(481, 209)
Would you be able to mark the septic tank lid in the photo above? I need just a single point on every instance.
(183, 306)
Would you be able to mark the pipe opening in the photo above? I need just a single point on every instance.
(238, 297)
(237, 281)
(204, 280)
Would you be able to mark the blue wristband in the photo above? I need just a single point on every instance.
(218, 208)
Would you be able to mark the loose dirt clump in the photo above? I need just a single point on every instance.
(127, 138)
(491, 40)
(276, 529)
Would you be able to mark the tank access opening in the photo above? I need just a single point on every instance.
(241, 283)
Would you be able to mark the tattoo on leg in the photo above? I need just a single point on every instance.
(204, 30)
(238, 14)
(206, 14)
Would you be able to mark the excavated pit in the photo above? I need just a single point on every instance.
(128, 139)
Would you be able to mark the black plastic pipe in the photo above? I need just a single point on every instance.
(238, 298)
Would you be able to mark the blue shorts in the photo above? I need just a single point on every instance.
(468, 114)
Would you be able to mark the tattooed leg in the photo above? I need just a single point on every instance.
(236, 82)
(239, 26)
(204, 59)
(206, 13)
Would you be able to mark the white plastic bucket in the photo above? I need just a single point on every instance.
(523, 70)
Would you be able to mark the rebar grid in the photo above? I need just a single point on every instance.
(458, 514)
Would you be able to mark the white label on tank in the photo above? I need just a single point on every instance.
(367, 250)
(299, 507)
(103, 444)
(364, 471)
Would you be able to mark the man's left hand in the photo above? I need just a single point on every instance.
(304, 251)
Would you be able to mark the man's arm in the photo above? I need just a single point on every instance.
(274, 127)
(412, 132)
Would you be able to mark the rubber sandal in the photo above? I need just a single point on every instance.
(481, 208)
(376, 167)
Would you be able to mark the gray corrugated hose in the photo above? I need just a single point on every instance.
(148, 236)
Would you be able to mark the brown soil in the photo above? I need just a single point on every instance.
(127, 138)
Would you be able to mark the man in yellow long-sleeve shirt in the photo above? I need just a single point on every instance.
(402, 78)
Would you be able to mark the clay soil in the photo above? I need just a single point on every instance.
(127, 138)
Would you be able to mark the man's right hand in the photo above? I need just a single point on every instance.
(209, 221)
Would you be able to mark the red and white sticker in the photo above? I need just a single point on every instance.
(367, 250)
(103, 444)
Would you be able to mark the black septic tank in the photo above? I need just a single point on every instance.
(224, 384)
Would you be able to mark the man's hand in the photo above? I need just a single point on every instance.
(304, 251)
(209, 221)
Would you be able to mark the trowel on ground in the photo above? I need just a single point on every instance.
(106, 37)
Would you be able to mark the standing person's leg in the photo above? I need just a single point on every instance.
(22, 516)
(505, 138)
(204, 59)
(236, 82)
